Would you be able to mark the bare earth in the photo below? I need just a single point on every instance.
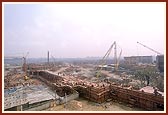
(85, 105)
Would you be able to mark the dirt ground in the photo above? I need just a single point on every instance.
(85, 105)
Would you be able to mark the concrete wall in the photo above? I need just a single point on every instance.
(51, 103)
(38, 108)
(69, 98)
(45, 105)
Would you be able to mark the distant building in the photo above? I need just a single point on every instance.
(160, 62)
(138, 59)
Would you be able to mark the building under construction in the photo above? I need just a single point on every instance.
(46, 85)
(100, 92)
(160, 62)
(138, 59)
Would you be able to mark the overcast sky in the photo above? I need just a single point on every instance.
(83, 29)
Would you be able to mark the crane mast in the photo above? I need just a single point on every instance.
(118, 61)
(24, 63)
(115, 56)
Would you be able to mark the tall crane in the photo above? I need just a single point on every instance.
(24, 62)
(54, 59)
(104, 59)
(150, 48)
(159, 58)
(25, 66)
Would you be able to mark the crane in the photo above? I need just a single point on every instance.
(104, 59)
(54, 62)
(24, 62)
(159, 58)
(25, 66)
(149, 48)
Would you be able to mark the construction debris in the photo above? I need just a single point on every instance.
(67, 82)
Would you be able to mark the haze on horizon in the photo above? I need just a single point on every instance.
(70, 30)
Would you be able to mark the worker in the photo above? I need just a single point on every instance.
(147, 79)
(155, 91)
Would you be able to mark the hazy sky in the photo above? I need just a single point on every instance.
(83, 29)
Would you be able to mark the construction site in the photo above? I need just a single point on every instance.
(133, 83)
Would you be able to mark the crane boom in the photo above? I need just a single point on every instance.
(103, 61)
(24, 63)
(149, 48)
